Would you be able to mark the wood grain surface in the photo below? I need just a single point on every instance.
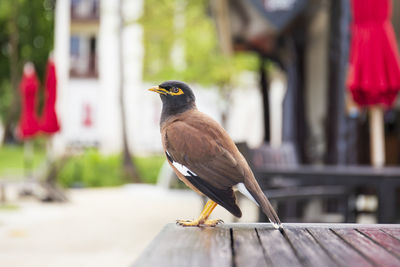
(248, 245)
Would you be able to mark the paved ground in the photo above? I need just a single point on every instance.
(98, 227)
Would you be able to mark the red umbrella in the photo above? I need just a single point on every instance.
(374, 76)
(49, 121)
(28, 123)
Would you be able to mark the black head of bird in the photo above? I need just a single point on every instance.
(176, 97)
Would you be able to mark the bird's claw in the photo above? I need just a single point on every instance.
(188, 222)
(212, 223)
(197, 223)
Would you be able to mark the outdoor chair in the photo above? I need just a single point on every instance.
(295, 201)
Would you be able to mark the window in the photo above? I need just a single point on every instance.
(85, 9)
(83, 56)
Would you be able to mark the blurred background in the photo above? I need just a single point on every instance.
(306, 88)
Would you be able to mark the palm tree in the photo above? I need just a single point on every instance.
(128, 166)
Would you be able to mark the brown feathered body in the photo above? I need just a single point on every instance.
(205, 158)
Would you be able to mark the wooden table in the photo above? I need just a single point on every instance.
(385, 180)
(247, 245)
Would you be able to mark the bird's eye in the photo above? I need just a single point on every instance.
(175, 90)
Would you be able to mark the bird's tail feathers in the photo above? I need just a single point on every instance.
(243, 190)
(264, 203)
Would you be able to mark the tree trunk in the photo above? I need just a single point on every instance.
(128, 166)
(337, 63)
(12, 114)
(225, 93)
(264, 87)
(300, 117)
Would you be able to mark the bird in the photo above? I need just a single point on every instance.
(204, 157)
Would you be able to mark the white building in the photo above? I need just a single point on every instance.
(86, 55)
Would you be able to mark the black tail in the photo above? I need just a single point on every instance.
(255, 190)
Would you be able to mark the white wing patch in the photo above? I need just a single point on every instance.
(242, 189)
(182, 168)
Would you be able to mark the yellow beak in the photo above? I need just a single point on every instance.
(159, 90)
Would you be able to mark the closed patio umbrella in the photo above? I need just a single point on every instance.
(49, 121)
(374, 73)
(28, 124)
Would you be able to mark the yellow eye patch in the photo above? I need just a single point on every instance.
(176, 91)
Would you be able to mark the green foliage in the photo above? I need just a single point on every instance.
(35, 34)
(94, 170)
(91, 170)
(205, 64)
(149, 167)
(5, 95)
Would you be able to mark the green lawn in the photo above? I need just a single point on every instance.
(12, 160)
(8, 207)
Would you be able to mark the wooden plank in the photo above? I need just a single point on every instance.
(307, 249)
(268, 226)
(247, 226)
(188, 246)
(337, 225)
(385, 240)
(339, 250)
(247, 248)
(277, 249)
(368, 248)
(392, 231)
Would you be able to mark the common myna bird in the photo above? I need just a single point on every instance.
(203, 155)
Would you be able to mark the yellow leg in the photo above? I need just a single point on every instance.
(203, 218)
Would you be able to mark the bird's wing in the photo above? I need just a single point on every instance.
(201, 158)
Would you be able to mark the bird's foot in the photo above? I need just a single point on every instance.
(198, 223)
(212, 223)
